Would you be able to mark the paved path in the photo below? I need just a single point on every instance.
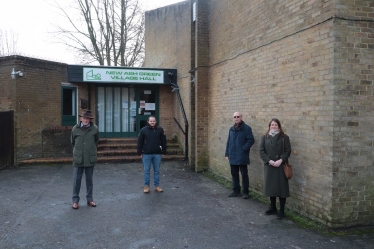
(192, 212)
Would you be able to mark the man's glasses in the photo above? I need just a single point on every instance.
(236, 116)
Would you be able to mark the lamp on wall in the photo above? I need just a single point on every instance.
(14, 73)
(193, 79)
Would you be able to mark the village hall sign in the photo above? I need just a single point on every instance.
(105, 74)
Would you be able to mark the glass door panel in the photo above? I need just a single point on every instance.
(101, 108)
(117, 110)
(147, 106)
(125, 109)
(133, 108)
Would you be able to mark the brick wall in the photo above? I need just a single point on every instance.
(202, 85)
(56, 142)
(280, 62)
(166, 120)
(35, 99)
(86, 91)
(352, 166)
(274, 60)
(308, 63)
(7, 86)
(172, 49)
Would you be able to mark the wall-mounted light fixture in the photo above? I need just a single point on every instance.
(193, 79)
(14, 73)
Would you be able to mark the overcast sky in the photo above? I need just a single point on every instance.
(34, 20)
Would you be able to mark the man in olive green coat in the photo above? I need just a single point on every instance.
(84, 138)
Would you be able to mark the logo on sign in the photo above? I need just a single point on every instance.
(91, 76)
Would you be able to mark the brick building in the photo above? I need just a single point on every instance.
(309, 63)
(46, 97)
(35, 98)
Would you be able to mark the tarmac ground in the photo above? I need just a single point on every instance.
(192, 212)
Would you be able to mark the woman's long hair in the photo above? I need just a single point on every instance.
(279, 126)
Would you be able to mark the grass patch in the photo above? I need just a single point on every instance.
(217, 178)
(299, 220)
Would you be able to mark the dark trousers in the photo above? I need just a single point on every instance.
(235, 178)
(78, 173)
(273, 200)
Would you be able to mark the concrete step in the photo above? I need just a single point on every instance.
(134, 152)
(117, 141)
(127, 140)
(106, 159)
(129, 146)
(115, 150)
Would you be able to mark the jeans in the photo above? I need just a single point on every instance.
(235, 178)
(78, 173)
(155, 160)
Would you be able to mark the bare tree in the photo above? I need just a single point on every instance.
(8, 42)
(110, 32)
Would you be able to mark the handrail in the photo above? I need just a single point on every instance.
(180, 127)
(175, 87)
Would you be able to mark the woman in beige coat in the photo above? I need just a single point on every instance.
(275, 149)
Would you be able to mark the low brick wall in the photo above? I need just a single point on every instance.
(56, 142)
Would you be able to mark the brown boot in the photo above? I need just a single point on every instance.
(158, 189)
(146, 189)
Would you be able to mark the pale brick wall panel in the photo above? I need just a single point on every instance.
(301, 62)
(354, 172)
(168, 45)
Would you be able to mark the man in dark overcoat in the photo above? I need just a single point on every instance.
(84, 139)
(238, 146)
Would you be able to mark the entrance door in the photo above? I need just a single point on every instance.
(69, 103)
(6, 139)
(148, 104)
(123, 111)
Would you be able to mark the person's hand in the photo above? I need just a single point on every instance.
(278, 163)
(227, 158)
(271, 162)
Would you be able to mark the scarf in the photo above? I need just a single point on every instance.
(273, 132)
(237, 125)
(85, 127)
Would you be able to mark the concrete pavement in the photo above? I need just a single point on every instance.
(192, 212)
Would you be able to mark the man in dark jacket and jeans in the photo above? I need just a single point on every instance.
(151, 147)
(239, 143)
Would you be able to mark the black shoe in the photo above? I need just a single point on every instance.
(234, 194)
(280, 215)
(271, 210)
(245, 196)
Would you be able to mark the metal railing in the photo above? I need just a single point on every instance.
(175, 88)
